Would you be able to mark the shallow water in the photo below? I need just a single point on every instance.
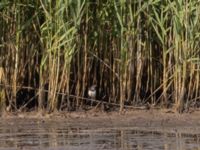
(38, 134)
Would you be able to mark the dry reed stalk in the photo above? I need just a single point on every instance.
(1, 74)
(136, 51)
(2, 91)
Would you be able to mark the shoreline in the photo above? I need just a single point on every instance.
(156, 120)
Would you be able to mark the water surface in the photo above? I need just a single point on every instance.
(37, 134)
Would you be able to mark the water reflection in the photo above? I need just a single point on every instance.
(58, 136)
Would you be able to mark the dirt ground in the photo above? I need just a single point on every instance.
(145, 119)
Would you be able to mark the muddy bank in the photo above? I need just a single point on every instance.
(152, 120)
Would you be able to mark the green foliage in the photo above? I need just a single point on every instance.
(135, 51)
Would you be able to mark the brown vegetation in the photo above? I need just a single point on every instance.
(138, 53)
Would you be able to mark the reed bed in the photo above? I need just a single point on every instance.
(138, 53)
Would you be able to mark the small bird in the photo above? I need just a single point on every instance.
(92, 92)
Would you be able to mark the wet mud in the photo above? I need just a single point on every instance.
(87, 131)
